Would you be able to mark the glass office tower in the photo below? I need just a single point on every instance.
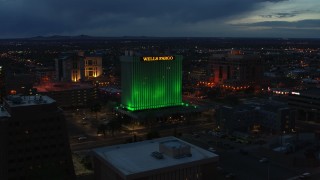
(151, 81)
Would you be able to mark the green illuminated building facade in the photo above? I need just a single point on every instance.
(151, 82)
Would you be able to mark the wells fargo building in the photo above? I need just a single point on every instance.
(151, 81)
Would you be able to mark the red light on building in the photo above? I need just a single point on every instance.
(13, 92)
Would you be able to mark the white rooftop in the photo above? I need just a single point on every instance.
(136, 157)
(17, 100)
(4, 112)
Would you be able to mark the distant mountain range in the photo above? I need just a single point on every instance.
(89, 38)
(86, 37)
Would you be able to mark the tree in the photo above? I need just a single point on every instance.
(114, 125)
(96, 107)
(149, 119)
(102, 128)
(152, 135)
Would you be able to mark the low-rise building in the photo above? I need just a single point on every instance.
(166, 158)
(69, 94)
(269, 115)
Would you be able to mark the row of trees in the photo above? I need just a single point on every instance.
(114, 123)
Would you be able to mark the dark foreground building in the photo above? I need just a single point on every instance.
(33, 140)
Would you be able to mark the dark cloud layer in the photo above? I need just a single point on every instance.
(21, 18)
(280, 15)
(303, 28)
(307, 24)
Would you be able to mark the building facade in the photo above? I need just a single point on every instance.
(76, 67)
(236, 65)
(34, 141)
(69, 94)
(2, 83)
(269, 115)
(93, 66)
(151, 81)
(69, 67)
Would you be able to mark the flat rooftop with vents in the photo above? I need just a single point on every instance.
(163, 157)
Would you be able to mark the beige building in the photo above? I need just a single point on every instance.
(166, 158)
(93, 66)
(76, 67)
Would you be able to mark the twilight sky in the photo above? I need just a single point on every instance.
(182, 18)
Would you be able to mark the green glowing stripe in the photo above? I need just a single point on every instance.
(147, 85)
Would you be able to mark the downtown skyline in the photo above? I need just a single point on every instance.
(204, 18)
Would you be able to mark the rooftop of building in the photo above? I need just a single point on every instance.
(63, 86)
(110, 89)
(136, 157)
(3, 113)
(262, 104)
(18, 100)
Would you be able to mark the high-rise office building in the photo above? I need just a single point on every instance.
(151, 81)
(93, 66)
(69, 67)
(2, 83)
(236, 65)
(33, 139)
(74, 67)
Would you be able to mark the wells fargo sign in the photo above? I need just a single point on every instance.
(157, 58)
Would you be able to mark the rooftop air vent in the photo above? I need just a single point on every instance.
(157, 155)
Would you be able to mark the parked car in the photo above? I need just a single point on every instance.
(82, 138)
(211, 149)
(230, 176)
(263, 160)
(243, 151)
(305, 175)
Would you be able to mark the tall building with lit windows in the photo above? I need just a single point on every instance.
(236, 66)
(150, 81)
(93, 66)
(70, 67)
(2, 83)
(75, 67)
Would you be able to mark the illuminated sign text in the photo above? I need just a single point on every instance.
(157, 58)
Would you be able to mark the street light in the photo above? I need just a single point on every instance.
(268, 170)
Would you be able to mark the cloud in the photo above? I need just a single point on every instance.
(279, 24)
(21, 18)
(279, 15)
(298, 29)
